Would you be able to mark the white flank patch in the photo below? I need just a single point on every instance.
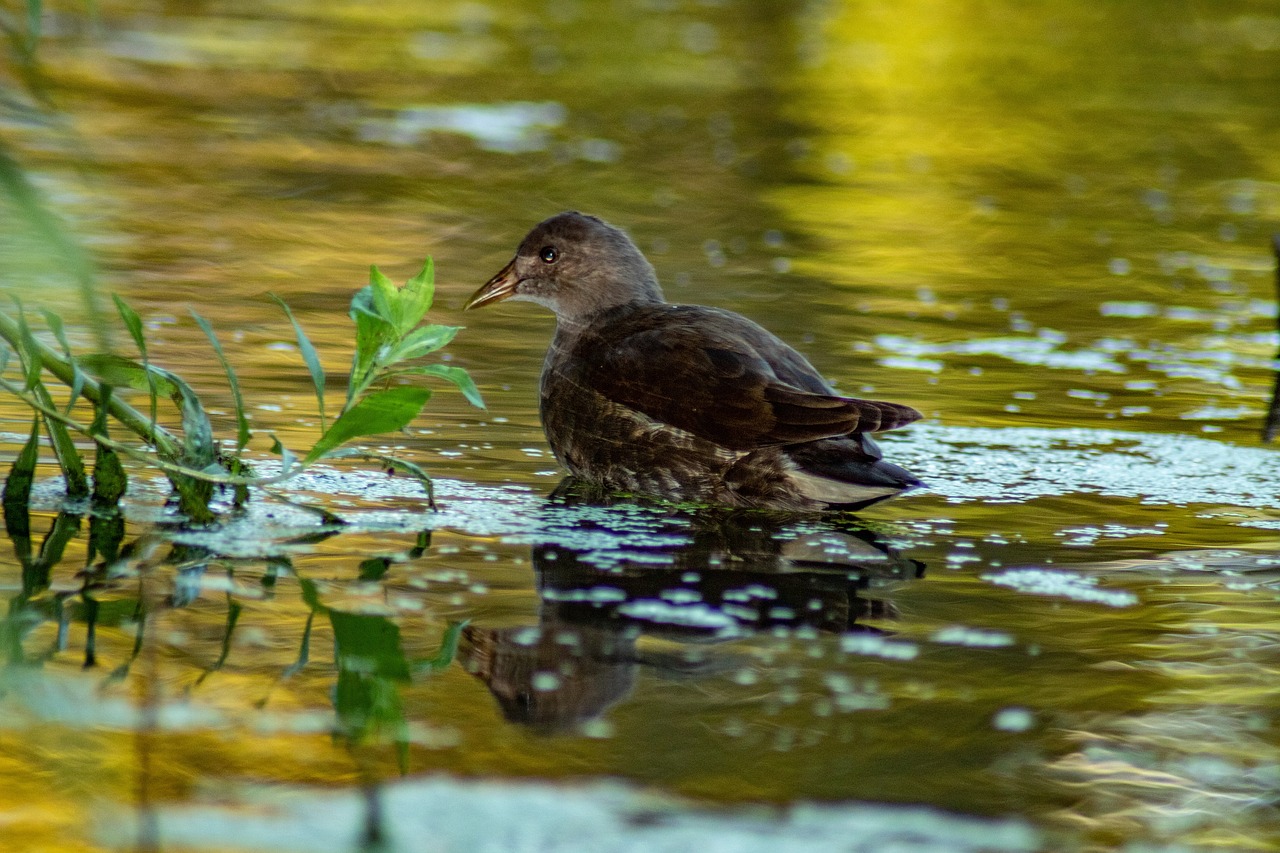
(835, 491)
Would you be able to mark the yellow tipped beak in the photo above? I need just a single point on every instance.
(496, 289)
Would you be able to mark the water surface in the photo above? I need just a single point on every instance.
(1045, 225)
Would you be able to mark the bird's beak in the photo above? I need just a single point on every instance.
(496, 289)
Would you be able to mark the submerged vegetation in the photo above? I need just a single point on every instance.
(389, 345)
(134, 586)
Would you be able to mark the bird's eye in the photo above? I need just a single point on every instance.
(548, 254)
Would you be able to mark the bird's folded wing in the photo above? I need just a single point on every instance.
(718, 387)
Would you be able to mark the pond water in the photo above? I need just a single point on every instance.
(1046, 225)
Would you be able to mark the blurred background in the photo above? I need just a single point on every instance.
(934, 200)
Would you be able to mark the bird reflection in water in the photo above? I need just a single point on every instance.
(733, 574)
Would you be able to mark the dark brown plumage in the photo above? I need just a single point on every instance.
(685, 402)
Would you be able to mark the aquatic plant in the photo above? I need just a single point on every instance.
(390, 341)
(129, 589)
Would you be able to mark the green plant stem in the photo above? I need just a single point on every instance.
(144, 456)
(165, 442)
(173, 468)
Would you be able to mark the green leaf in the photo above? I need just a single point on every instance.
(421, 341)
(132, 322)
(369, 644)
(309, 356)
(234, 609)
(373, 333)
(366, 699)
(242, 422)
(27, 350)
(311, 595)
(373, 569)
(371, 665)
(197, 433)
(22, 473)
(16, 499)
(384, 411)
(109, 480)
(456, 375)
(448, 650)
(197, 441)
(65, 526)
(304, 648)
(65, 450)
(55, 325)
(198, 448)
(383, 291)
(77, 384)
(193, 497)
(416, 297)
(287, 459)
(124, 372)
(106, 534)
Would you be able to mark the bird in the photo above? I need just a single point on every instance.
(685, 403)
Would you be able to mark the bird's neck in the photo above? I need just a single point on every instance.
(573, 325)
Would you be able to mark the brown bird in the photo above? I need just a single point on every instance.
(684, 402)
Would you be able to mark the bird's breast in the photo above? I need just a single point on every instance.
(604, 441)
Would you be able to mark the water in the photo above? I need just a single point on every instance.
(1046, 226)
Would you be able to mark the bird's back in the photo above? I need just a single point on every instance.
(697, 403)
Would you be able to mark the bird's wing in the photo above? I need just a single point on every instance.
(712, 374)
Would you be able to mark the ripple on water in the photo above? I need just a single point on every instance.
(960, 464)
(509, 128)
(1040, 351)
(1060, 584)
(1018, 464)
(600, 818)
(961, 635)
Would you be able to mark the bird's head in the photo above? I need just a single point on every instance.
(576, 265)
